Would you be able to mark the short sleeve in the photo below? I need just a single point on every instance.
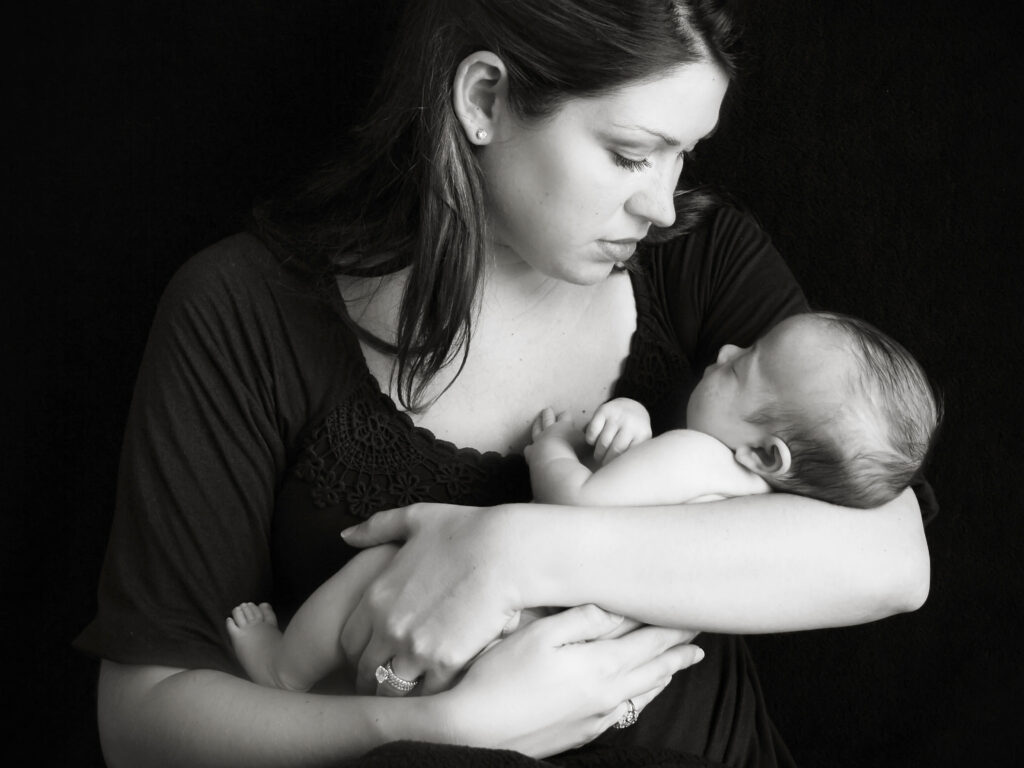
(724, 283)
(202, 454)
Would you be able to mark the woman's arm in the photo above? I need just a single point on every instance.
(554, 685)
(161, 716)
(767, 563)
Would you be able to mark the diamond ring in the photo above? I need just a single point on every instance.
(386, 676)
(628, 717)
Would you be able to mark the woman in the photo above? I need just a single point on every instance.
(388, 338)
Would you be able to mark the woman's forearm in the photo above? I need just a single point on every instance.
(755, 564)
(157, 716)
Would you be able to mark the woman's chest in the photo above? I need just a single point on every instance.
(364, 454)
(565, 357)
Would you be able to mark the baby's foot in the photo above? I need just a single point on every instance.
(255, 638)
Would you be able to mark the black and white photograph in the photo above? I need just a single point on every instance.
(520, 383)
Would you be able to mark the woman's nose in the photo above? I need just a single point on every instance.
(728, 352)
(655, 202)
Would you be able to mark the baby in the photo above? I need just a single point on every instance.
(823, 405)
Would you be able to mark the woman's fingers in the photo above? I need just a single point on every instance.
(642, 660)
(383, 527)
(618, 717)
(577, 625)
(437, 603)
(649, 674)
(648, 641)
(396, 678)
(355, 637)
(559, 685)
(651, 659)
(440, 677)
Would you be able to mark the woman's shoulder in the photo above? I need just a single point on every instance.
(239, 265)
(237, 309)
(238, 290)
(238, 281)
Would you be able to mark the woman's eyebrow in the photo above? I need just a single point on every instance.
(667, 139)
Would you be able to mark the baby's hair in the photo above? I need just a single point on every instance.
(868, 452)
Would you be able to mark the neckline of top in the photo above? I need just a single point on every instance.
(641, 299)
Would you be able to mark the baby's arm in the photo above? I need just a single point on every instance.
(673, 468)
(310, 647)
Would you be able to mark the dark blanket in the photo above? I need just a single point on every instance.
(405, 753)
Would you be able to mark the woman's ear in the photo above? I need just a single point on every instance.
(769, 458)
(480, 95)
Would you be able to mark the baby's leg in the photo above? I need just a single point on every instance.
(310, 646)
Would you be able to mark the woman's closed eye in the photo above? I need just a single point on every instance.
(643, 163)
(630, 164)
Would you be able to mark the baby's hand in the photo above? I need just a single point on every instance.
(617, 425)
(552, 435)
(549, 425)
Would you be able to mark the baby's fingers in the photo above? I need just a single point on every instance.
(618, 446)
(595, 427)
(544, 420)
(605, 440)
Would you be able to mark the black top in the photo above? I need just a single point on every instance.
(257, 433)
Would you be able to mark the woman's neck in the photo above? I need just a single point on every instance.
(536, 341)
(510, 288)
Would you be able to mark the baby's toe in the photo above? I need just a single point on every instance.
(267, 614)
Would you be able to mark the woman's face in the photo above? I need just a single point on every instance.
(572, 194)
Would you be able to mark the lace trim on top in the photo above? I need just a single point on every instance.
(367, 455)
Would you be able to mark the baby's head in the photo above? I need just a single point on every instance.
(823, 405)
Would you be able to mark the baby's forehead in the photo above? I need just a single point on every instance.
(807, 337)
(805, 351)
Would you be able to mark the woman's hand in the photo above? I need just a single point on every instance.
(443, 598)
(560, 682)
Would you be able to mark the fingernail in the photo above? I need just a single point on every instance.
(698, 655)
(347, 531)
(616, 618)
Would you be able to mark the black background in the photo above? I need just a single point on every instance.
(878, 142)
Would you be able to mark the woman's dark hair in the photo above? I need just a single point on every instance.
(409, 192)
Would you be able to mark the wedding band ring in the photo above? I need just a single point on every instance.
(386, 676)
(629, 717)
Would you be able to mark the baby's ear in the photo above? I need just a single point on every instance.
(768, 458)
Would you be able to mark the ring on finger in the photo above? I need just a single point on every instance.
(629, 717)
(385, 675)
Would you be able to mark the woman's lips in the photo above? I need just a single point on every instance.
(617, 250)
